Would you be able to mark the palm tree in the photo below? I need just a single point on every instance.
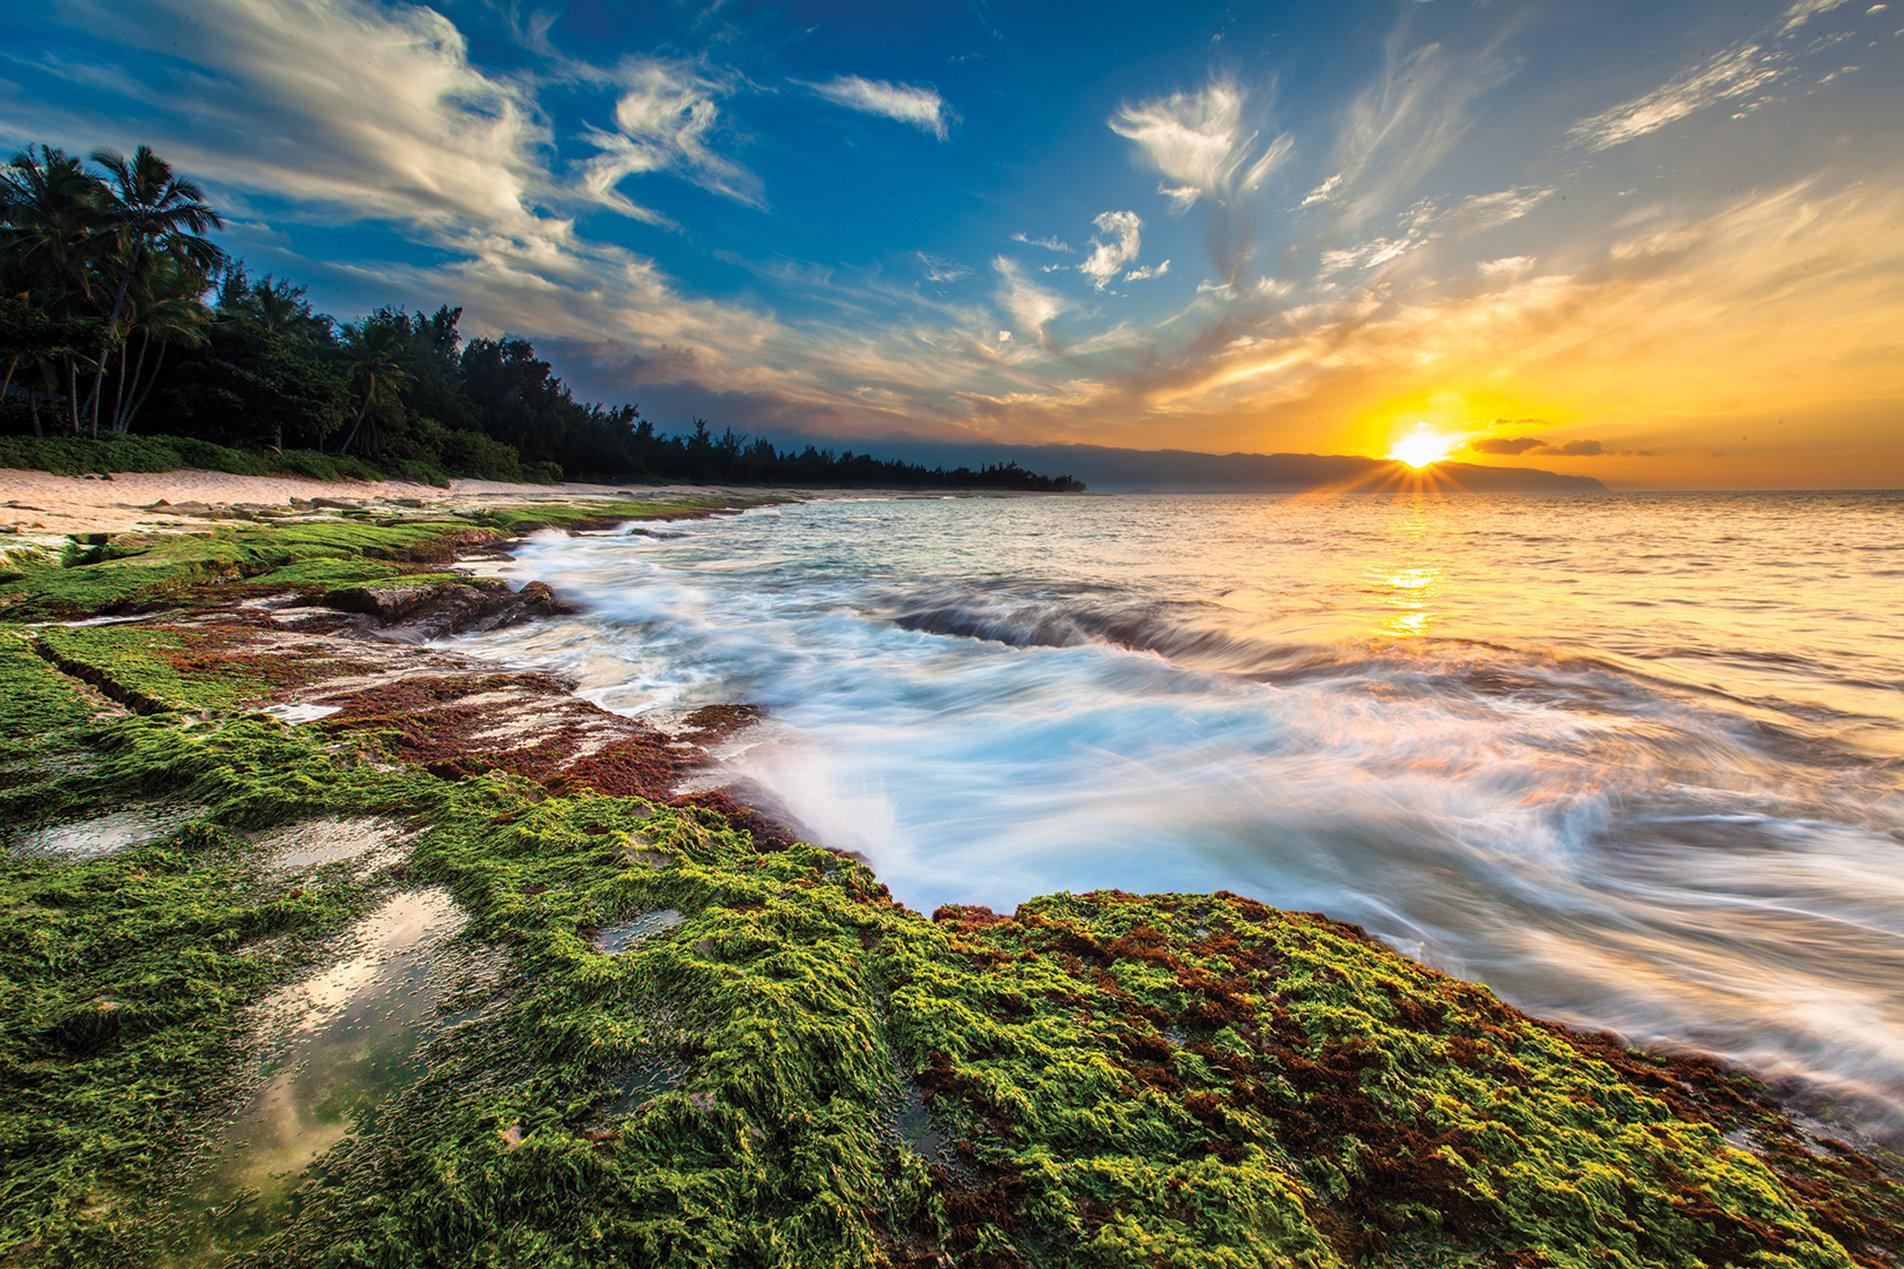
(374, 351)
(50, 210)
(51, 207)
(150, 212)
(165, 309)
(279, 307)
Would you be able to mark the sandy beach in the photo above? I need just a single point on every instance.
(40, 506)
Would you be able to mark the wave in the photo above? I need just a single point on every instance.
(1658, 834)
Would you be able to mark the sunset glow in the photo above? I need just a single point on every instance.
(1421, 446)
(1668, 262)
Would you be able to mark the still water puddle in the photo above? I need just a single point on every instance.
(107, 834)
(367, 841)
(913, 1123)
(622, 935)
(338, 1043)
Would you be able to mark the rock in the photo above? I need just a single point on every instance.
(430, 609)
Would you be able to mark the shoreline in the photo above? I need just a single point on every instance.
(1235, 1042)
(39, 506)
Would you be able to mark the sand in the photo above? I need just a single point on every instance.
(40, 506)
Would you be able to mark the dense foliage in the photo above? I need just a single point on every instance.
(118, 312)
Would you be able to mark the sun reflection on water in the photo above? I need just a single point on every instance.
(1410, 587)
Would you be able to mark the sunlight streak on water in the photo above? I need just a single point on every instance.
(1633, 761)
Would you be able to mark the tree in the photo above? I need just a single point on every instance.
(166, 310)
(374, 352)
(49, 224)
(149, 212)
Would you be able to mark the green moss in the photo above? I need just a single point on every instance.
(144, 667)
(151, 571)
(136, 572)
(797, 1070)
(591, 515)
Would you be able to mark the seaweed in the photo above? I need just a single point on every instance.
(796, 1071)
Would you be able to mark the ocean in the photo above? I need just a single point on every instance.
(1636, 761)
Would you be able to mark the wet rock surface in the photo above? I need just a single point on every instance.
(430, 610)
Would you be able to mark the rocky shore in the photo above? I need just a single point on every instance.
(318, 946)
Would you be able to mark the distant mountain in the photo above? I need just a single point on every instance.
(1106, 469)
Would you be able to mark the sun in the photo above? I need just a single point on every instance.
(1420, 447)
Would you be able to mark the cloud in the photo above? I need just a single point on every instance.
(1738, 72)
(1199, 143)
(1743, 74)
(940, 269)
(1505, 266)
(1031, 307)
(917, 104)
(1803, 11)
(1400, 127)
(1152, 271)
(1427, 220)
(1534, 446)
(1206, 153)
(1505, 444)
(1323, 192)
(1049, 242)
(1107, 259)
(665, 121)
(371, 109)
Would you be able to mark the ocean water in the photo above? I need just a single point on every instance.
(1635, 761)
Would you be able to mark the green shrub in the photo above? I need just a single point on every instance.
(469, 453)
(79, 455)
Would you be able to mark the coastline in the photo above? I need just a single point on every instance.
(1149, 1076)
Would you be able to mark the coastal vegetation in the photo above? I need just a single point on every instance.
(120, 314)
(671, 1032)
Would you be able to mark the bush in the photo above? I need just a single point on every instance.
(470, 453)
(543, 473)
(79, 455)
(209, 456)
(419, 471)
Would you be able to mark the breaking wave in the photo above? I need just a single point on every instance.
(1593, 753)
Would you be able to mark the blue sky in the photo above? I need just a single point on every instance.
(1664, 236)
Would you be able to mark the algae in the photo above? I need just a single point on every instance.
(774, 1063)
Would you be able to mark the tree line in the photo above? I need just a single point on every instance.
(120, 313)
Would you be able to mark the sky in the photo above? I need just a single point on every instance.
(1657, 243)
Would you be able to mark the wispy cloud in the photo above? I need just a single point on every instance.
(1742, 74)
(1803, 11)
(1030, 306)
(1208, 153)
(1506, 266)
(917, 104)
(1323, 192)
(1738, 72)
(1401, 127)
(1119, 248)
(940, 269)
(374, 110)
(665, 121)
(1199, 144)
(1049, 242)
(1428, 220)
(1148, 271)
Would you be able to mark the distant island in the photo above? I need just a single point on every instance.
(1113, 470)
